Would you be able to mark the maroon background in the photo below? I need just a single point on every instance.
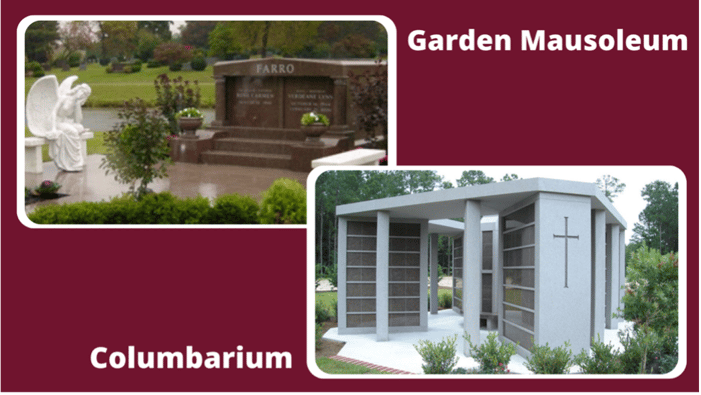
(165, 289)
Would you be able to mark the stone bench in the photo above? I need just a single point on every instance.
(32, 151)
(353, 157)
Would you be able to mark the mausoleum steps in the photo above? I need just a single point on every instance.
(261, 133)
(252, 159)
(237, 144)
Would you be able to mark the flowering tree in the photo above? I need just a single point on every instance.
(172, 53)
(76, 36)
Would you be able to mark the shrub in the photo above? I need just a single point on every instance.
(465, 371)
(176, 66)
(285, 202)
(198, 64)
(136, 66)
(104, 62)
(642, 351)
(546, 360)
(74, 59)
(172, 53)
(174, 95)
(492, 356)
(321, 313)
(152, 64)
(369, 95)
(445, 300)
(166, 208)
(35, 68)
(652, 294)
(602, 359)
(334, 308)
(108, 69)
(234, 209)
(440, 357)
(138, 149)
(319, 333)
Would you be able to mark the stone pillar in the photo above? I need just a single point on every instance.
(472, 272)
(423, 274)
(434, 274)
(382, 277)
(220, 101)
(622, 263)
(614, 294)
(340, 93)
(598, 274)
(341, 270)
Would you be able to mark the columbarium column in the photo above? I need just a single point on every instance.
(471, 272)
(342, 270)
(598, 275)
(382, 277)
(434, 274)
(622, 267)
(614, 294)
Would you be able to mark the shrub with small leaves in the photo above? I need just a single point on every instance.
(445, 300)
(439, 357)
(234, 209)
(285, 202)
(318, 334)
(174, 95)
(546, 360)
(642, 350)
(602, 359)
(321, 313)
(198, 64)
(492, 356)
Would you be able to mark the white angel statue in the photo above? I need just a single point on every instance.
(54, 113)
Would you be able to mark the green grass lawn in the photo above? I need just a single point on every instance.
(335, 367)
(111, 90)
(96, 145)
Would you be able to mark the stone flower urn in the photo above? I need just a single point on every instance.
(313, 133)
(189, 126)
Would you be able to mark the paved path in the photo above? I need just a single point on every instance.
(184, 180)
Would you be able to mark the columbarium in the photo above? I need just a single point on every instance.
(539, 260)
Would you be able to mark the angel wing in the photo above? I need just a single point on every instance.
(65, 86)
(41, 104)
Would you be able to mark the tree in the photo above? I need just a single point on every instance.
(235, 37)
(196, 33)
(659, 221)
(473, 177)
(172, 53)
(76, 36)
(509, 177)
(369, 95)
(146, 44)
(158, 28)
(138, 150)
(610, 186)
(40, 40)
(118, 38)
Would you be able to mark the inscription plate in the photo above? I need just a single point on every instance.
(306, 94)
(256, 102)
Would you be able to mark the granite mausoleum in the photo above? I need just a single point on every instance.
(259, 104)
(540, 260)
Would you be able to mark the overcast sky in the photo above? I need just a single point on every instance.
(629, 203)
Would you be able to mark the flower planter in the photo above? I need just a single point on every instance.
(189, 126)
(313, 133)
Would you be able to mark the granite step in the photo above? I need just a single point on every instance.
(237, 144)
(247, 159)
(267, 134)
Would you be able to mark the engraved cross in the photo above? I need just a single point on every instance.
(566, 236)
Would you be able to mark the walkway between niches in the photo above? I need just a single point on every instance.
(184, 180)
(399, 353)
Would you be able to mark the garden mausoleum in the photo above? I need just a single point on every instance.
(539, 260)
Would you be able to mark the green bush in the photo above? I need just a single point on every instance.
(492, 356)
(136, 66)
(152, 64)
(138, 150)
(602, 359)
(175, 95)
(321, 313)
(234, 209)
(465, 371)
(652, 294)
(445, 300)
(35, 68)
(546, 360)
(177, 66)
(74, 59)
(318, 334)
(642, 351)
(285, 202)
(153, 208)
(440, 357)
(198, 64)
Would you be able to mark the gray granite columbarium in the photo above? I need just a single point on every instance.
(539, 260)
